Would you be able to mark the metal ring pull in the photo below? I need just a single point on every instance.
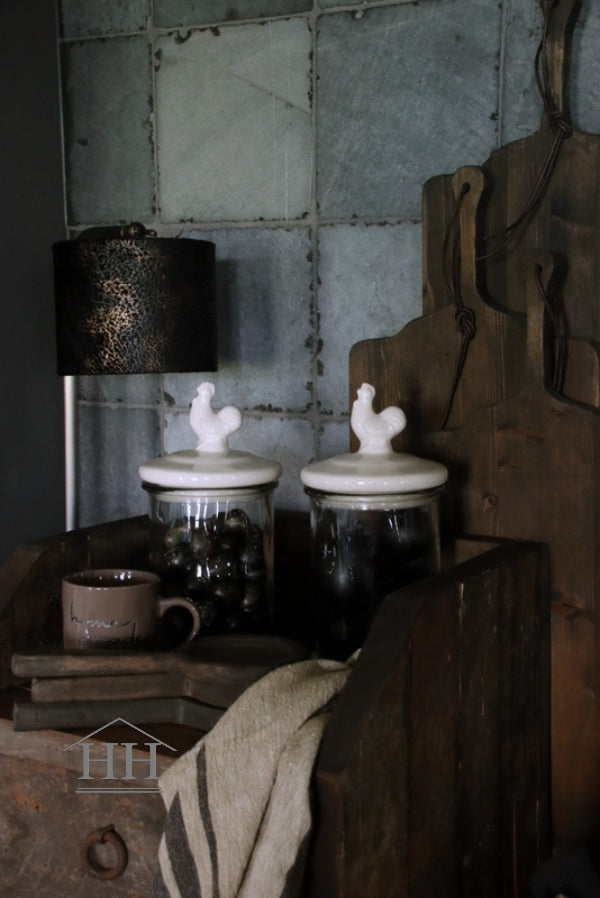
(104, 835)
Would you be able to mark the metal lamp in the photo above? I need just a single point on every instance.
(128, 302)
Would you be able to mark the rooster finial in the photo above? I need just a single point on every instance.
(212, 428)
(375, 431)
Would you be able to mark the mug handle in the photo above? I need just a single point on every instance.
(164, 604)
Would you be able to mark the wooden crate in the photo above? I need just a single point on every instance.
(432, 776)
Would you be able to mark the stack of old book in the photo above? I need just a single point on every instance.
(191, 686)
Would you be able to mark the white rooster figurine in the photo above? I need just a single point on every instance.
(212, 428)
(375, 430)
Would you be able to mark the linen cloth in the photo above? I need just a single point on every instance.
(238, 803)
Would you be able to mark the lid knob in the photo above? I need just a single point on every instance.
(212, 428)
(375, 469)
(375, 430)
(212, 464)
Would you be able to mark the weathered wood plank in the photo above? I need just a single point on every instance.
(446, 724)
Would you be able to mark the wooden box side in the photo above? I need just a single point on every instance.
(30, 580)
(433, 774)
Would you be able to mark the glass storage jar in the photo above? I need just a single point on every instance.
(212, 523)
(374, 526)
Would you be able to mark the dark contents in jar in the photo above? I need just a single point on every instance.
(219, 563)
(359, 557)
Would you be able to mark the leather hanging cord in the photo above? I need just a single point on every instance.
(554, 312)
(465, 318)
(562, 129)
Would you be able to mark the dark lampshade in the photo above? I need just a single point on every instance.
(134, 304)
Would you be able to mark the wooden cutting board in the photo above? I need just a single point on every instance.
(523, 455)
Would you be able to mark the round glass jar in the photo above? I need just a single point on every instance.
(374, 524)
(211, 520)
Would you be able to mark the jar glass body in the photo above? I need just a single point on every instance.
(216, 548)
(364, 547)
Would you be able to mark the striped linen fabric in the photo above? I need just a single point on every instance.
(238, 803)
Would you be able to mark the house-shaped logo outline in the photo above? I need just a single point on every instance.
(112, 723)
(89, 737)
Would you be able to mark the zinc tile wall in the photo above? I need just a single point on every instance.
(297, 136)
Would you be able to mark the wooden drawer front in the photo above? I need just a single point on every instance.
(43, 826)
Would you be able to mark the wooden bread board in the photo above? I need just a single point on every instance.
(523, 452)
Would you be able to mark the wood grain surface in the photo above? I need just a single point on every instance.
(523, 451)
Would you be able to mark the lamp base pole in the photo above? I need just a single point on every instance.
(70, 431)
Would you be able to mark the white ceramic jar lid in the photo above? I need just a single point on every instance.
(212, 464)
(375, 468)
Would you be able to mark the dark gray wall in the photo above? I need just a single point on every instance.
(31, 219)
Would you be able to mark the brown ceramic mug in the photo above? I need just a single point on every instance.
(115, 608)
